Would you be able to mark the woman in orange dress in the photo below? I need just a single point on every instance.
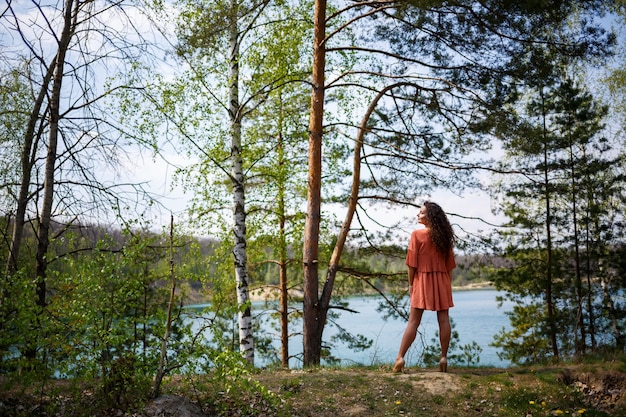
(430, 261)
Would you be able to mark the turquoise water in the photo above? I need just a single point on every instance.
(476, 317)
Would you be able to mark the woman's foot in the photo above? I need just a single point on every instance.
(443, 364)
(398, 366)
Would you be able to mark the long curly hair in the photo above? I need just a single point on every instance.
(441, 231)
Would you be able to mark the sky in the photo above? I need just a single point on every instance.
(157, 176)
(463, 210)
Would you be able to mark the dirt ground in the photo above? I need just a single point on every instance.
(526, 392)
(587, 390)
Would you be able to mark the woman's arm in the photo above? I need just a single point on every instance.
(411, 273)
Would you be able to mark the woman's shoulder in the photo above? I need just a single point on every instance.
(421, 233)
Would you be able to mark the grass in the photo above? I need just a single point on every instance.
(588, 389)
(573, 390)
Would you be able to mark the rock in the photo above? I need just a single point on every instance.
(172, 406)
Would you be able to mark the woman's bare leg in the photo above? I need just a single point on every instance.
(415, 318)
(445, 331)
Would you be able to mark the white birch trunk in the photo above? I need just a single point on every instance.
(246, 339)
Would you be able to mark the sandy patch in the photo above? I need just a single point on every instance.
(436, 383)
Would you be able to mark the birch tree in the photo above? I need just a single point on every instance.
(248, 41)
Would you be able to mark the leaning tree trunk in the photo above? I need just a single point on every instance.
(312, 326)
(26, 165)
(246, 339)
(333, 265)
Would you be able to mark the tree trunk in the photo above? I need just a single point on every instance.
(590, 252)
(43, 231)
(246, 339)
(161, 371)
(282, 256)
(333, 265)
(26, 164)
(312, 322)
(580, 319)
(548, 288)
(284, 294)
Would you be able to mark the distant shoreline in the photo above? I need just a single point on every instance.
(271, 293)
(486, 285)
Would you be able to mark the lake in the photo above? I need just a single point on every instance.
(476, 317)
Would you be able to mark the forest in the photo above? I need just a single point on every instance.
(158, 154)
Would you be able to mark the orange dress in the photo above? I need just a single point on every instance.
(432, 283)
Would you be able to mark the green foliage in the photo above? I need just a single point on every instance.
(104, 320)
(562, 229)
(109, 306)
(272, 100)
(14, 111)
(232, 385)
(18, 334)
(468, 354)
(526, 342)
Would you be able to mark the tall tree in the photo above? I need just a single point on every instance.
(276, 218)
(314, 313)
(457, 74)
(71, 13)
(570, 157)
(532, 147)
(579, 120)
(246, 339)
(63, 53)
(255, 32)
